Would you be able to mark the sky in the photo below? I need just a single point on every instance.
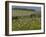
(28, 7)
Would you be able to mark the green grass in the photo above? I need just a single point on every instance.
(21, 12)
(25, 22)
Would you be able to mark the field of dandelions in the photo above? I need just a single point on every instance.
(24, 21)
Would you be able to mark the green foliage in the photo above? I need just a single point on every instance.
(26, 24)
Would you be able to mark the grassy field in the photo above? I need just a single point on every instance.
(24, 21)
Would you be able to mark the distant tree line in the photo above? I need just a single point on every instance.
(22, 9)
(31, 16)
